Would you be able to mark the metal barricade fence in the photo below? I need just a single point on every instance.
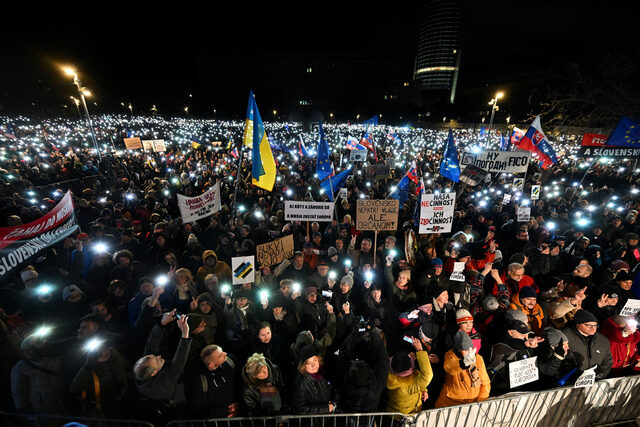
(8, 419)
(378, 419)
(77, 186)
(606, 401)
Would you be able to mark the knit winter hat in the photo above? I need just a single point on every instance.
(462, 341)
(490, 303)
(308, 352)
(401, 364)
(28, 274)
(519, 258)
(348, 279)
(437, 262)
(516, 315)
(69, 290)
(583, 316)
(527, 292)
(463, 315)
(553, 336)
(332, 251)
(619, 264)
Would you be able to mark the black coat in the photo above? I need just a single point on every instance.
(312, 396)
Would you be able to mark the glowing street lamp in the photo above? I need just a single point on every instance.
(494, 108)
(83, 91)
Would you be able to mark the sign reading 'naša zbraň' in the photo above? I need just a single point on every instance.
(377, 215)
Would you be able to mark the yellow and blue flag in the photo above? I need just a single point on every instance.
(263, 171)
(626, 133)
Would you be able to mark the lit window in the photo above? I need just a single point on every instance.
(309, 70)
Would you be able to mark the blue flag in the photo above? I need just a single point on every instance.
(402, 190)
(335, 182)
(483, 131)
(450, 166)
(324, 167)
(626, 133)
(504, 143)
(373, 121)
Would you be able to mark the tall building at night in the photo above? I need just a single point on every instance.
(438, 59)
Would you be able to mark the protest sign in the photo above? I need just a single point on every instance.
(595, 145)
(20, 244)
(377, 172)
(436, 213)
(473, 175)
(243, 268)
(147, 145)
(308, 211)
(358, 156)
(159, 146)
(376, 215)
(195, 208)
(587, 378)
(494, 161)
(524, 213)
(133, 143)
(506, 199)
(535, 192)
(457, 274)
(523, 372)
(518, 184)
(343, 193)
(631, 308)
(274, 252)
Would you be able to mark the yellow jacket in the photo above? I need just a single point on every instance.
(405, 393)
(457, 388)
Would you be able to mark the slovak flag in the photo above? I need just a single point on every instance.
(352, 144)
(367, 141)
(516, 135)
(234, 153)
(536, 142)
(401, 192)
(302, 149)
(420, 187)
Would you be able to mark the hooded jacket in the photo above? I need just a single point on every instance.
(220, 269)
(404, 394)
(457, 388)
(624, 350)
(255, 401)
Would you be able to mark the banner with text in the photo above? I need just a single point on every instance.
(195, 208)
(377, 215)
(274, 252)
(22, 243)
(308, 211)
(133, 143)
(494, 161)
(523, 372)
(436, 213)
(595, 145)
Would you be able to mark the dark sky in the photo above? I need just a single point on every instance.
(129, 53)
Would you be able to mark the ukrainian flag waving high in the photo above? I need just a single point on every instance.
(263, 172)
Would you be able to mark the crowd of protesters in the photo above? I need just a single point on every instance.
(134, 316)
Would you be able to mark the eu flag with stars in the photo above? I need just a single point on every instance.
(626, 133)
(324, 168)
(334, 183)
(450, 166)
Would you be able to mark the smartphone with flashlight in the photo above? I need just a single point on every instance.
(407, 339)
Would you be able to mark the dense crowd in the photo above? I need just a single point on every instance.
(135, 316)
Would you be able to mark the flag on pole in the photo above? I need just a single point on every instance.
(450, 166)
(367, 138)
(335, 183)
(504, 143)
(247, 137)
(626, 133)
(352, 144)
(536, 142)
(234, 153)
(416, 212)
(302, 150)
(401, 193)
(263, 171)
(229, 142)
(324, 167)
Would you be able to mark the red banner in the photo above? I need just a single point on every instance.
(594, 140)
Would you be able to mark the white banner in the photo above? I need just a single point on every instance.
(524, 213)
(495, 161)
(156, 145)
(458, 272)
(587, 378)
(523, 372)
(308, 211)
(243, 268)
(436, 213)
(631, 307)
(195, 208)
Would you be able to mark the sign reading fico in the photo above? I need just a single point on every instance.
(436, 213)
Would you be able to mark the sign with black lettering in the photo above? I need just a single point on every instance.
(358, 156)
(494, 161)
(274, 252)
(308, 211)
(523, 372)
(377, 215)
(436, 213)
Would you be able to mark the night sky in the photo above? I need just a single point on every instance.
(150, 56)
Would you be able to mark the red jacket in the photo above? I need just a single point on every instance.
(472, 264)
(624, 350)
(511, 284)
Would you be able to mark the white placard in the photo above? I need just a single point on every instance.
(535, 192)
(518, 184)
(342, 193)
(587, 378)
(436, 213)
(523, 372)
(457, 273)
(524, 213)
(358, 156)
(631, 308)
(195, 208)
(494, 161)
(308, 211)
(506, 199)
(243, 269)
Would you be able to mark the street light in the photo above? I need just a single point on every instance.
(131, 109)
(84, 92)
(77, 102)
(494, 108)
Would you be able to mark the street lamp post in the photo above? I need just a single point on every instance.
(82, 91)
(494, 108)
(76, 101)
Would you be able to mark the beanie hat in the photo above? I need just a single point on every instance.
(311, 289)
(583, 316)
(192, 239)
(527, 292)
(28, 274)
(554, 336)
(463, 315)
(611, 291)
(205, 297)
(623, 276)
(68, 290)
(401, 364)
(519, 258)
(490, 303)
(517, 326)
(332, 251)
(348, 279)
(308, 352)
(619, 264)
(430, 329)
(462, 341)
(437, 262)
(464, 253)
(516, 315)
(240, 293)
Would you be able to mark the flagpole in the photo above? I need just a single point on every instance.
(235, 194)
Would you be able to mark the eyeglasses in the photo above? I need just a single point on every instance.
(590, 325)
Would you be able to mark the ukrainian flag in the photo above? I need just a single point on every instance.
(263, 172)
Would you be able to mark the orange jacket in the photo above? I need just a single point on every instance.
(457, 388)
(535, 316)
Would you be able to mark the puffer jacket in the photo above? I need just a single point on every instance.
(457, 388)
(220, 269)
(535, 317)
(405, 393)
(624, 350)
(312, 396)
(586, 352)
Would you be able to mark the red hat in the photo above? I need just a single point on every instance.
(82, 236)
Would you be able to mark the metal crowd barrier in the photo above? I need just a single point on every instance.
(8, 419)
(377, 419)
(604, 402)
(77, 186)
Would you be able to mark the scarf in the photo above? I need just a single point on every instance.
(474, 374)
(270, 401)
